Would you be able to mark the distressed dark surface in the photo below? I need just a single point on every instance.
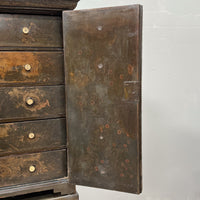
(37, 6)
(45, 31)
(49, 134)
(46, 68)
(49, 103)
(42, 48)
(45, 196)
(103, 90)
(49, 165)
(61, 186)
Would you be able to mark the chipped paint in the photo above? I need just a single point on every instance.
(45, 67)
(4, 131)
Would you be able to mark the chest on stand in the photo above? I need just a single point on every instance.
(70, 99)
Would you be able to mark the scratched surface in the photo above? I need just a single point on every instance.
(49, 102)
(103, 83)
(44, 31)
(48, 134)
(46, 68)
(49, 165)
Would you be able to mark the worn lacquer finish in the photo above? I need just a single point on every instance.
(47, 102)
(46, 68)
(54, 4)
(16, 169)
(35, 6)
(43, 31)
(32, 99)
(32, 136)
(103, 90)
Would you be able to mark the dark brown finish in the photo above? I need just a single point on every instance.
(48, 102)
(46, 68)
(49, 165)
(36, 6)
(32, 99)
(45, 196)
(103, 90)
(61, 186)
(46, 135)
(44, 31)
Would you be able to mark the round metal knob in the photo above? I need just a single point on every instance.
(32, 168)
(100, 66)
(27, 67)
(31, 135)
(25, 30)
(29, 101)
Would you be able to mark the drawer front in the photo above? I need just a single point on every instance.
(30, 168)
(32, 136)
(22, 103)
(31, 68)
(30, 31)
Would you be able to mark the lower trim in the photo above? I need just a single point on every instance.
(61, 186)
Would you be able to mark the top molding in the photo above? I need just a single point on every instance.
(52, 7)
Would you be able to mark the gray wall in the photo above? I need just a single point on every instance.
(171, 101)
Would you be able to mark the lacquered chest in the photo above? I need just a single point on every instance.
(70, 98)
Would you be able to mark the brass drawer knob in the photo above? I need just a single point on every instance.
(25, 30)
(29, 101)
(32, 168)
(27, 67)
(31, 135)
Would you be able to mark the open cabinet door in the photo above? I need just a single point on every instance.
(103, 97)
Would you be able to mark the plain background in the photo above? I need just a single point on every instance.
(171, 101)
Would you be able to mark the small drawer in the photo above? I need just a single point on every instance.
(30, 31)
(26, 103)
(32, 136)
(30, 168)
(41, 68)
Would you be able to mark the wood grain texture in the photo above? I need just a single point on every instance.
(61, 186)
(44, 31)
(47, 68)
(48, 102)
(15, 169)
(48, 134)
(103, 97)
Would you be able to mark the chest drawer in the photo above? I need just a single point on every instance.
(21, 103)
(30, 31)
(31, 68)
(32, 136)
(30, 168)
